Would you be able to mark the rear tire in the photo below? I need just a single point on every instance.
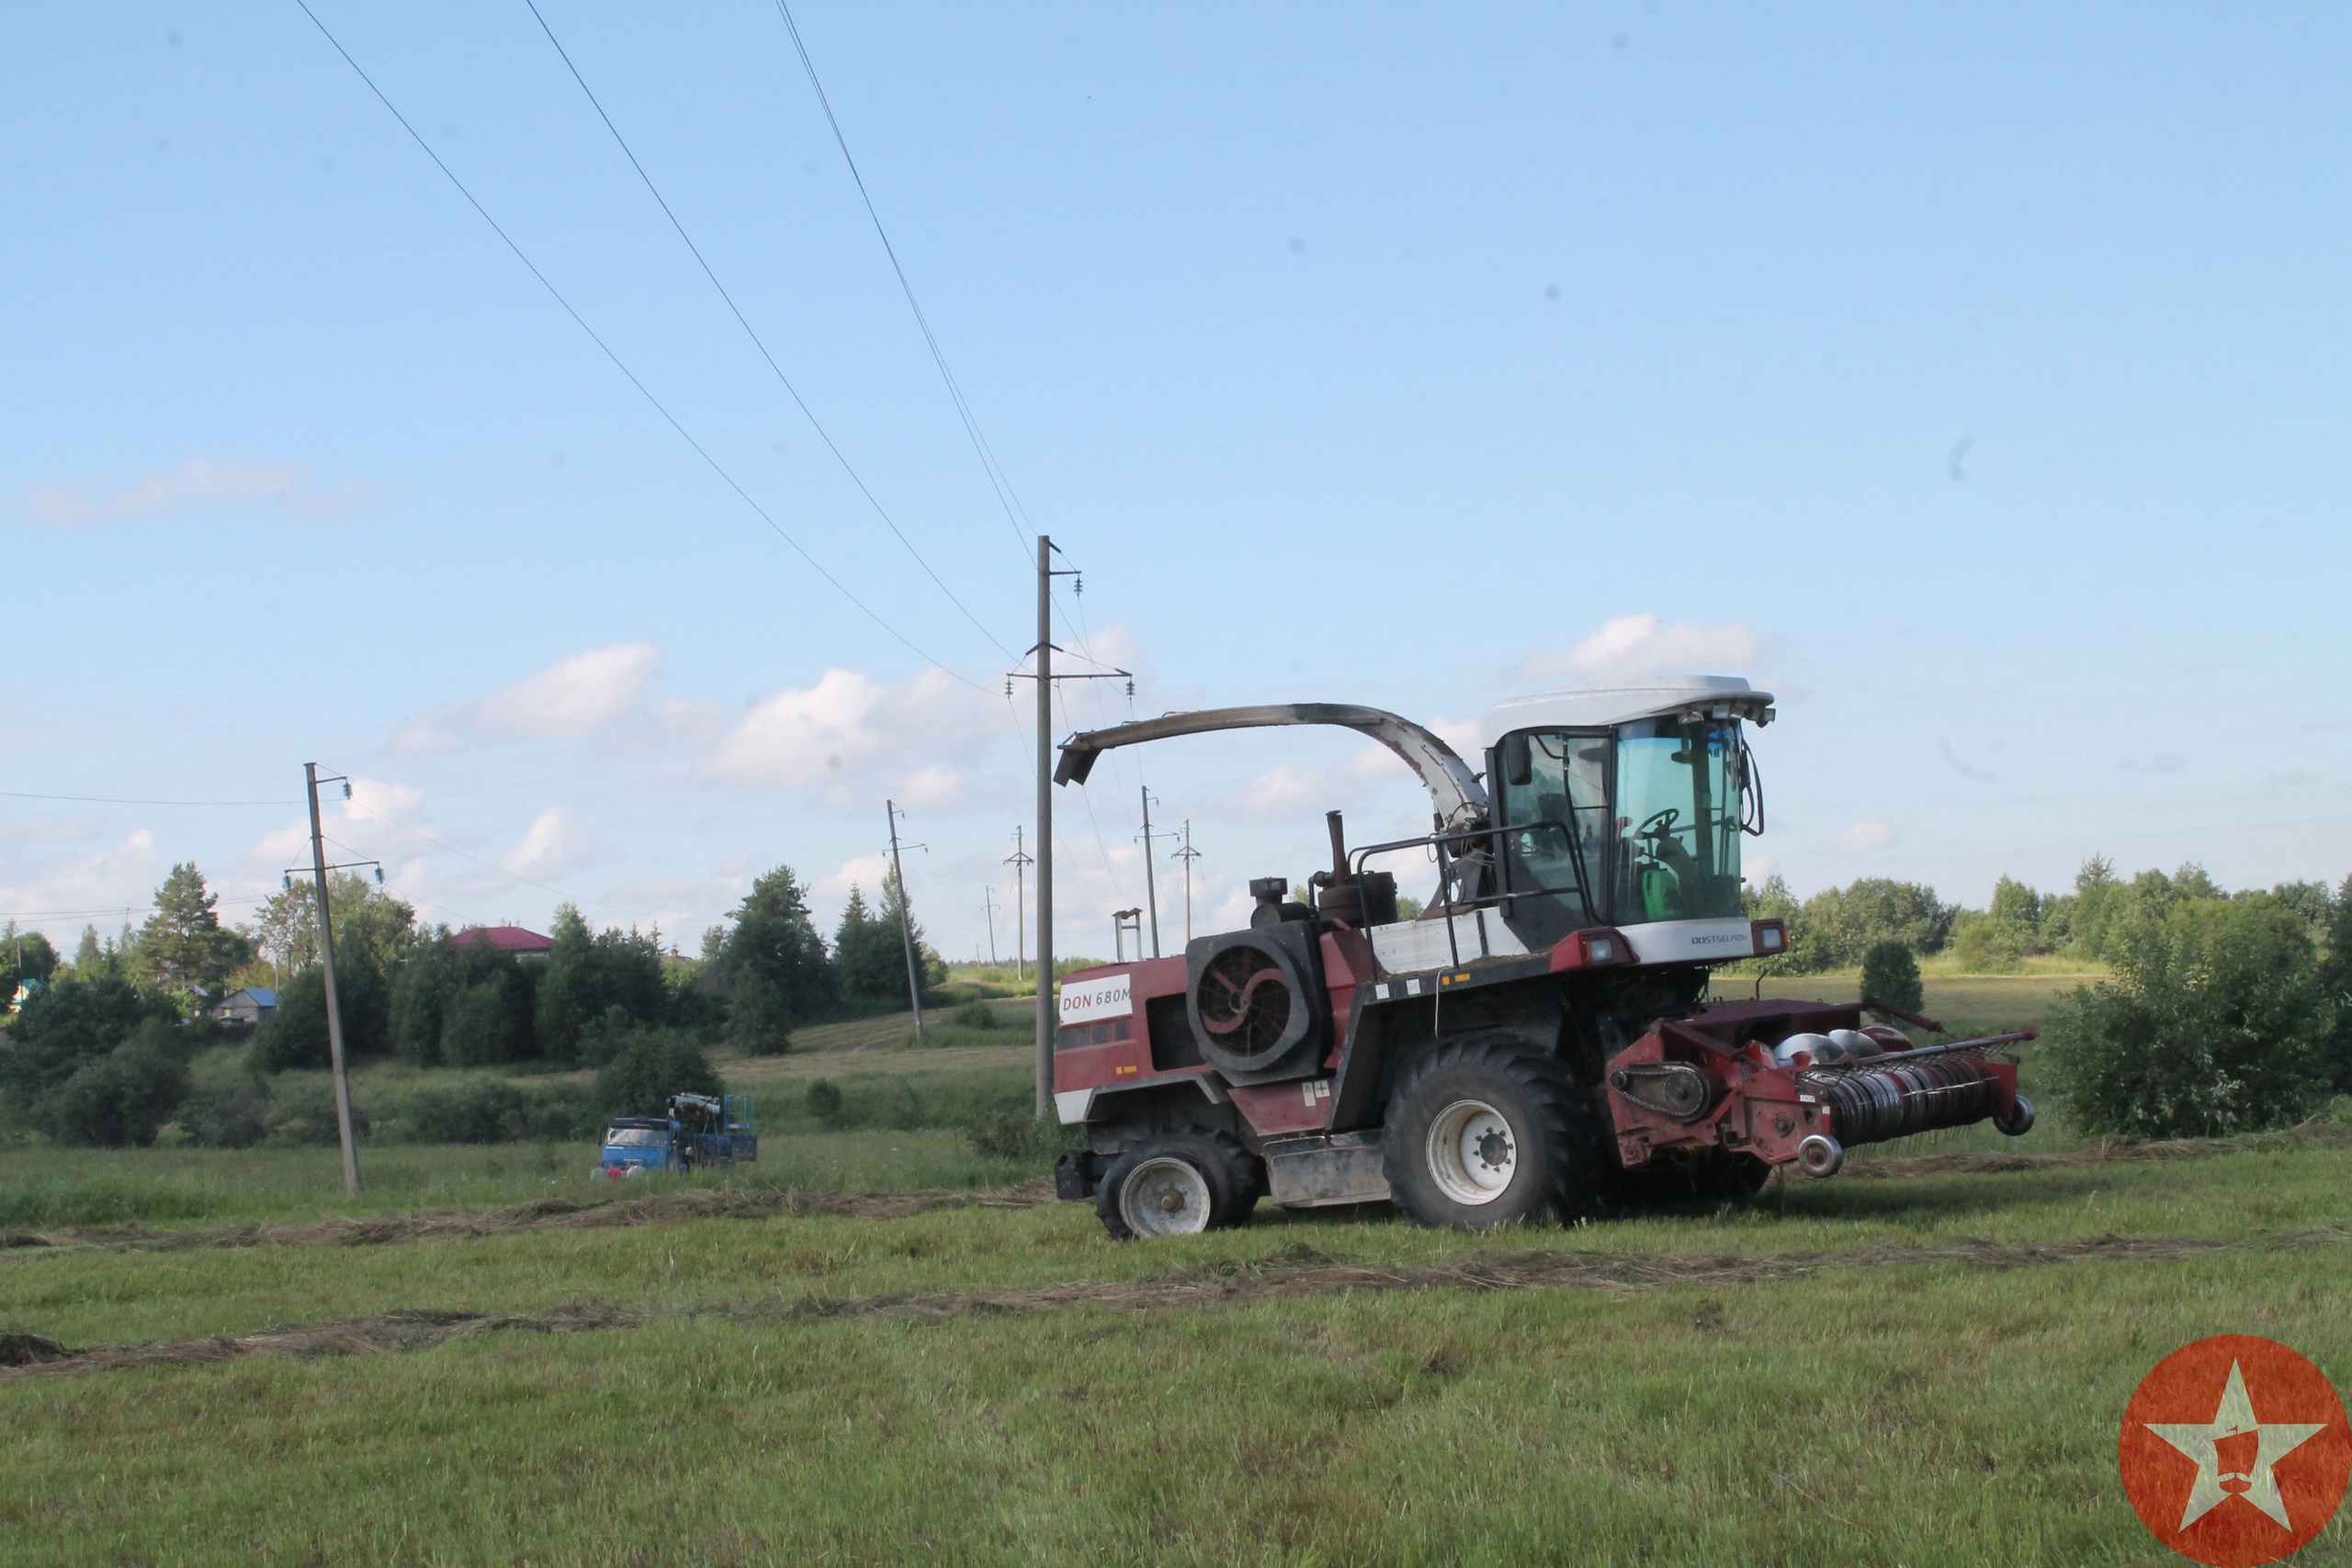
(1180, 1184)
(1485, 1130)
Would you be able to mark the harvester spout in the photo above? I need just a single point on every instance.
(1455, 790)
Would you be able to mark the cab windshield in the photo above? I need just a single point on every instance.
(636, 1138)
(1680, 798)
(1625, 827)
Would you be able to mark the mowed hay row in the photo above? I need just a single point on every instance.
(749, 1203)
(758, 1202)
(1299, 1273)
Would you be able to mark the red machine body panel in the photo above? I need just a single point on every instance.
(1106, 1039)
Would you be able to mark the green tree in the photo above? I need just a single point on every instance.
(71, 1022)
(2091, 907)
(868, 961)
(655, 1067)
(117, 1101)
(2017, 911)
(285, 928)
(27, 957)
(1983, 945)
(928, 963)
(589, 978)
(486, 1007)
(295, 1036)
(2335, 979)
(419, 994)
(1843, 923)
(183, 950)
(1890, 974)
(2216, 1022)
(2309, 900)
(775, 971)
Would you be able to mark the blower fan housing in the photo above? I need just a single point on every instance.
(1256, 1002)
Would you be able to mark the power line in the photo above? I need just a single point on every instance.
(988, 465)
(120, 800)
(1016, 515)
(822, 434)
(619, 364)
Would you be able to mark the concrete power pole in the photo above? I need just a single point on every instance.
(987, 903)
(1150, 892)
(906, 918)
(1187, 855)
(334, 1009)
(1020, 860)
(1045, 1019)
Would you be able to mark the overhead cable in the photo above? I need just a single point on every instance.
(807, 413)
(619, 364)
(122, 800)
(1015, 515)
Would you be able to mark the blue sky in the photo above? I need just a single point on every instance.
(1974, 377)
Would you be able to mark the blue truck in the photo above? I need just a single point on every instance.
(696, 1132)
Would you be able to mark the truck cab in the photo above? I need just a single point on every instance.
(635, 1145)
(700, 1130)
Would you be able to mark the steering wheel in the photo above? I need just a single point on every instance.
(1659, 824)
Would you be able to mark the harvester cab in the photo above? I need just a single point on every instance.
(1537, 1038)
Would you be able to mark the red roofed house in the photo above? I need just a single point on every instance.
(509, 939)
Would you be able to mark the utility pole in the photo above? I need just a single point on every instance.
(1044, 677)
(906, 918)
(987, 902)
(334, 1009)
(1150, 890)
(1020, 863)
(1045, 1019)
(1187, 855)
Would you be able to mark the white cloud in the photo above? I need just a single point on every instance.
(1287, 789)
(160, 490)
(1628, 646)
(864, 872)
(846, 723)
(1863, 838)
(577, 695)
(554, 843)
(933, 788)
(60, 895)
(2156, 763)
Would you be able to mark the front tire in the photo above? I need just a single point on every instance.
(1483, 1130)
(1180, 1185)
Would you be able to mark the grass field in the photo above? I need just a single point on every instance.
(492, 1359)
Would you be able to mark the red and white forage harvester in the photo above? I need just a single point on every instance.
(1537, 1039)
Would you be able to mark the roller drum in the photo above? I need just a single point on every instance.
(1874, 1105)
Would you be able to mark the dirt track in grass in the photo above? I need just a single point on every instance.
(762, 1203)
(548, 1213)
(2315, 1133)
(1293, 1272)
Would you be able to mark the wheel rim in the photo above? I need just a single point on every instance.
(1473, 1153)
(1165, 1197)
